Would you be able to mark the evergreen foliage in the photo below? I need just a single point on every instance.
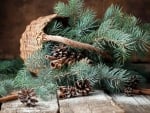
(114, 80)
(71, 10)
(81, 23)
(37, 60)
(8, 70)
(42, 84)
(83, 71)
(123, 34)
(118, 33)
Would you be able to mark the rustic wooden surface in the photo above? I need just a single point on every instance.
(98, 102)
(134, 104)
(42, 107)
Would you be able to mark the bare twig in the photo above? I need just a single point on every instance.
(75, 44)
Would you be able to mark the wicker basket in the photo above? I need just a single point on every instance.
(30, 40)
(34, 34)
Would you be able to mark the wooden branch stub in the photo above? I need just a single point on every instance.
(75, 44)
(9, 98)
(141, 91)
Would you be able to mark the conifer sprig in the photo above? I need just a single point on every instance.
(8, 71)
(114, 79)
(71, 10)
(37, 60)
(121, 32)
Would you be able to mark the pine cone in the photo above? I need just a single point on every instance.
(67, 92)
(61, 55)
(83, 87)
(128, 91)
(28, 97)
(132, 82)
(60, 51)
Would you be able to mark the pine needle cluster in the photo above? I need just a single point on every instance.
(122, 33)
(117, 32)
(8, 71)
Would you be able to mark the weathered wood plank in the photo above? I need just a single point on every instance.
(98, 102)
(134, 104)
(42, 107)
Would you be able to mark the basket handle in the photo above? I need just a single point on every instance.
(76, 44)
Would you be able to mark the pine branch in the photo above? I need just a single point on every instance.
(6, 87)
(8, 71)
(71, 10)
(83, 71)
(115, 80)
(36, 61)
(112, 12)
(58, 9)
(142, 43)
(10, 66)
(121, 34)
(43, 84)
(24, 79)
(86, 24)
(145, 27)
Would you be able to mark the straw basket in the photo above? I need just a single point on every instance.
(34, 34)
(30, 40)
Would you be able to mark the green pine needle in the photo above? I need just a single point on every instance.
(114, 79)
(37, 60)
(24, 79)
(6, 87)
(83, 71)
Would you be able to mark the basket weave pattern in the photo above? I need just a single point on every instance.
(29, 41)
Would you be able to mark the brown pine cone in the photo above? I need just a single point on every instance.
(28, 97)
(60, 51)
(132, 82)
(66, 92)
(128, 91)
(83, 87)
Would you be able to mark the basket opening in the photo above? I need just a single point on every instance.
(55, 26)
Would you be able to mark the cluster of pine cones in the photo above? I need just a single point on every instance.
(81, 88)
(132, 83)
(61, 55)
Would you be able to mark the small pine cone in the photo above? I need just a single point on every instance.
(60, 51)
(66, 92)
(62, 92)
(128, 91)
(83, 87)
(132, 82)
(28, 97)
(72, 92)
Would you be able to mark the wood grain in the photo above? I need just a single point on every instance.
(49, 106)
(134, 104)
(98, 102)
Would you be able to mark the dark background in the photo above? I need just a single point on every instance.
(16, 14)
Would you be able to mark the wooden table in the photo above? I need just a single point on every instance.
(97, 102)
